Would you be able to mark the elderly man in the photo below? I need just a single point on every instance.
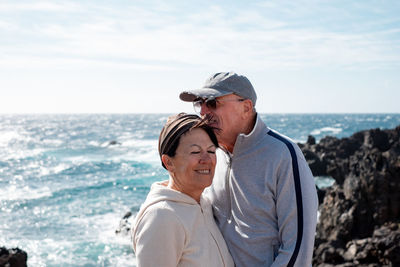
(263, 194)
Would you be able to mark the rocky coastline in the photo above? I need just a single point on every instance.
(359, 222)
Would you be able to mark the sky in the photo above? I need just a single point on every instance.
(302, 56)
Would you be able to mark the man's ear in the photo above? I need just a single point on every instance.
(248, 108)
(167, 162)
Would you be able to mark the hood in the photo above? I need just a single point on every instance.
(160, 192)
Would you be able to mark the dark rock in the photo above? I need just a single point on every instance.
(360, 214)
(113, 143)
(127, 215)
(311, 140)
(317, 166)
(13, 257)
(376, 139)
(321, 194)
(329, 253)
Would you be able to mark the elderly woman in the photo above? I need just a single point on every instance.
(175, 225)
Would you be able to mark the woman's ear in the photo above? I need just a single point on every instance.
(167, 162)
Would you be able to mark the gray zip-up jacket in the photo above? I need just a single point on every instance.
(265, 201)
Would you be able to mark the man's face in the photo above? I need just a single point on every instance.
(224, 115)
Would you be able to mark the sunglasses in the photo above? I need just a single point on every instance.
(211, 103)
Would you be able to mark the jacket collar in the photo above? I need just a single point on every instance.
(245, 142)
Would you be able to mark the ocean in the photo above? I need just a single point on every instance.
(67, 180)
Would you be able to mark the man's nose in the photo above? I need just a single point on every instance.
(204, 109)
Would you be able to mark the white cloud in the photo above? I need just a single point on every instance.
(204, 38)
(131, 38)
(37, 6)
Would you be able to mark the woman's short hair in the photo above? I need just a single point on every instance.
(178, 125)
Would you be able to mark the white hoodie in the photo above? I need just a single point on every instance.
(172, 229)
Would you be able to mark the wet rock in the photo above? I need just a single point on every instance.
(124, 227)
(317, 166)
(321, 192)
(113, 143)
(311, 140)
(13, 257)
(360, 214)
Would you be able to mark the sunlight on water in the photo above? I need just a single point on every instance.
(327, 131)
(17, 192)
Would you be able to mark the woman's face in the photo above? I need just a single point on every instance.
(192, 167)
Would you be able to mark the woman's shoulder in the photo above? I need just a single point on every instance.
(162, 209)
(159, 216)
(170, 210)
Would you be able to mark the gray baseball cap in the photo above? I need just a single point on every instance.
(220, 84)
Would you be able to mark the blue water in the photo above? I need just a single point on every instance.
(64, 187)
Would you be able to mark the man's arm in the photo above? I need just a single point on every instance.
(296, 206)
